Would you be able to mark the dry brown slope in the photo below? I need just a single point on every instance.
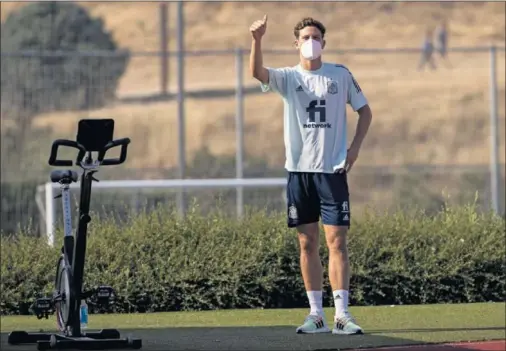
(421, 117)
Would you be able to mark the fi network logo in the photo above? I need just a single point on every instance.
(317, 108)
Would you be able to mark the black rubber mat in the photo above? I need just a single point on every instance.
(242, 338)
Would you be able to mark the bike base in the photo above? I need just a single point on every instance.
(105, 339)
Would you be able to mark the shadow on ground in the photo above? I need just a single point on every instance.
(253, 338)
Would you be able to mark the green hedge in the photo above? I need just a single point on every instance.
(213, 261)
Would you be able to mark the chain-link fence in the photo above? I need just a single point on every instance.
(429, 142)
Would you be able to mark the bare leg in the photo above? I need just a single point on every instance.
(310, 263)
(311, 267)
(339, 266)
(312, 273)
(339, 275)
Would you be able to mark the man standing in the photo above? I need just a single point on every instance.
(442, 41)
(315, 95)
(427, 51)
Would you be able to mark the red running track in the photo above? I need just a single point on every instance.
(497, 345)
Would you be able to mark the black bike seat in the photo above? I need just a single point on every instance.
(69, 176)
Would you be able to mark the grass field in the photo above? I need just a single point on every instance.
(424, 323)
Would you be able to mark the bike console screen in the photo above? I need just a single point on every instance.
(95, 134)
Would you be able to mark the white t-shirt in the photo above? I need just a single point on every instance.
(315, 114)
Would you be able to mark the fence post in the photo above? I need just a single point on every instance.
(164, 46)
(180, 106)
(239, 129)
(494, 132)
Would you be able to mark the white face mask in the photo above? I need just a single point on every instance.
(311, 49)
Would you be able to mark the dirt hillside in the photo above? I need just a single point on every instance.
(438, 117)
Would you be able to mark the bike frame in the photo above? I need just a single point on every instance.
(68, 239)
(94, 135)
(77, 261)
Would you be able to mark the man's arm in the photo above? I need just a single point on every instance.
(271, 78)
(364, 121)
(359, 103)
(256, 66)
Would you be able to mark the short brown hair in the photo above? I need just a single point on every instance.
(308, 22)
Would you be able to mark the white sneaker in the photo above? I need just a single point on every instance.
(313, 324)
(346, 325)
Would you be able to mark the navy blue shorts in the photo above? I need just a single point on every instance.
(314, 195)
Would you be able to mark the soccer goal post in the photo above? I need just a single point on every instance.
(47, 192)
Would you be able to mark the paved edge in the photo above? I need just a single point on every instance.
(494, 345)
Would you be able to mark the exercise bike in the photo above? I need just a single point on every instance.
(94, 135)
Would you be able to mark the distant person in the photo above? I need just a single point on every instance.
(442, 41)
(427, 51)
(318, 160)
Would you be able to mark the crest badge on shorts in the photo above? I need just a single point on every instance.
(292, 212)
(331, 87)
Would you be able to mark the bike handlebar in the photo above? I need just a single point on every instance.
(53, 161)
(114, 161)
(62, 142)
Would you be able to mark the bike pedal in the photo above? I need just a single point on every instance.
(104, 295)
(104, 292)
(43, 307)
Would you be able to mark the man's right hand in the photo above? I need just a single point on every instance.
(258, 28)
